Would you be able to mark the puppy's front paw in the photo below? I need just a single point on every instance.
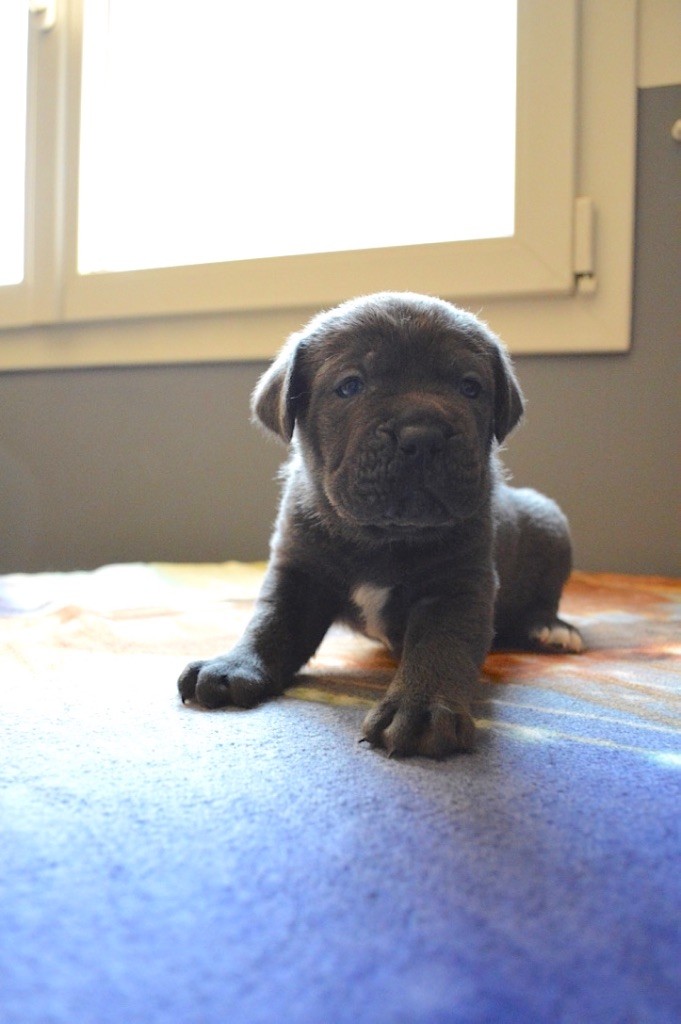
(429, 727)
(227, 680)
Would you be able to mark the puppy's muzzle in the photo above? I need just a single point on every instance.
(416, 469)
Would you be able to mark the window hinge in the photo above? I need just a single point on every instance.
(584, 258)
(45, 12)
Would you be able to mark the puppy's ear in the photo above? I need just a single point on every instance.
(277, 394)
(508, 398)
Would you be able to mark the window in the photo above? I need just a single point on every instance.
(250, 163)
(292, 128)
(13, 78)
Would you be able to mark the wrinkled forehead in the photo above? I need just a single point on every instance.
(400, 339)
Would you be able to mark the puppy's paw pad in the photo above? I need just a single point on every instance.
(558, 637)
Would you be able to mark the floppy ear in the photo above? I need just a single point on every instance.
(277, 394)
(508, 398)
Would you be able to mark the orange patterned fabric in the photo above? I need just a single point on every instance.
(74, 622)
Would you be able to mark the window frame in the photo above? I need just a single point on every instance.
(244, 309)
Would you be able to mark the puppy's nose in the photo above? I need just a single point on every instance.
(419, 439)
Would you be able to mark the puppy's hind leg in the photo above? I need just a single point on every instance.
(538, 628)
(532, 579)
(541, 630)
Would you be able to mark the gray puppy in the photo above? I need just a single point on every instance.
(395, 518)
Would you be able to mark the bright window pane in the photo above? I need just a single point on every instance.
(13, 50)
(215, 131)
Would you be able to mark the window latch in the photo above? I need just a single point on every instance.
(45, 12)
(585, 245)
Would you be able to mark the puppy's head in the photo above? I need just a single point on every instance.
(396, 401)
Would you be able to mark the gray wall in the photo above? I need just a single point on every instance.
(132, 464)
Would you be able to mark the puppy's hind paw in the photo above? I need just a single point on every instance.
(558, 638)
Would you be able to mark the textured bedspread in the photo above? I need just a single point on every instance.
(163, 863)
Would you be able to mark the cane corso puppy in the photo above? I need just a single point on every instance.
(396, 519)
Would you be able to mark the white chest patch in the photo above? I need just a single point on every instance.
(371, 600)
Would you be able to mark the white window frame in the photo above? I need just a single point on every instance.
(561, 284)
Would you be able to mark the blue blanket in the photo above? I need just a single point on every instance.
(166, 864)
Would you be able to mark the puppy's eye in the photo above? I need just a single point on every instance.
(350, 387)
(470, 387)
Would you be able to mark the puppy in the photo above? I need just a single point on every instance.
(396, 519)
